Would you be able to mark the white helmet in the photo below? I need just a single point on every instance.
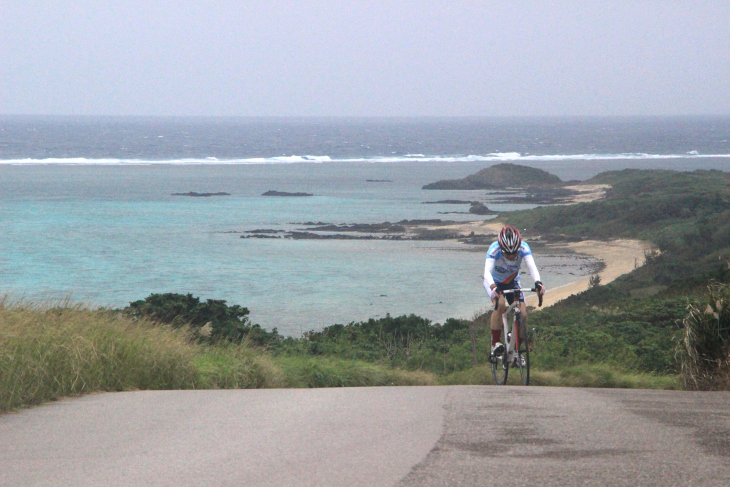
(509, 239)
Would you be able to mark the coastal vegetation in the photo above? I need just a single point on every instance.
(58, 350)
(704, 346)
(664, 325)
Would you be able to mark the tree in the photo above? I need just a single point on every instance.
(226, 322)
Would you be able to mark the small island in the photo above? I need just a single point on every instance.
(501, 176)
(378, 181)
(516, 185)
(198, 195)
(478, 208)
(283, 193)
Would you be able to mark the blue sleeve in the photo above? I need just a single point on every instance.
(525, 249)
(494, 251)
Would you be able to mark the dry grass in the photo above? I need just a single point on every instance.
(53, 351)
(704, 350)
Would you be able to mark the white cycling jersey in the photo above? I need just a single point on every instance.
(500, 270)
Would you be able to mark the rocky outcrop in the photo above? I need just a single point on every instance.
(478, 208)
(448, 202)
(283, 193)
(204, 195)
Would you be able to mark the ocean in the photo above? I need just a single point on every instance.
(87, 211)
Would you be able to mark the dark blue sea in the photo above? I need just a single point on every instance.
(87, 212)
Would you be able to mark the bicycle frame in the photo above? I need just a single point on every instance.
(513, 354)
(509, 344)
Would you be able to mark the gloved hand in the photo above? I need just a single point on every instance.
(540, 288)
(492, 293)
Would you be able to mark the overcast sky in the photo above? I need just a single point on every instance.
(364, 58)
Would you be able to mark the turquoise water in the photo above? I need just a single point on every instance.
(110, 235)
(86, 209)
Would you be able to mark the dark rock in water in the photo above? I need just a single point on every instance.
(537, 196)
(337, 236)
(480, 239)
(478, 208)
(378, 181)
(402, 230)
(283, 193)
(259, 235)
(437, 221)
(501, 176)
(386, 227)
(196, 195)
(447, 202)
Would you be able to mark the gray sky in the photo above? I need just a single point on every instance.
(363, 58)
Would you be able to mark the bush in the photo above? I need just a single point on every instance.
(594, 281)
(704, 350)
(407, 341)
(223, 321)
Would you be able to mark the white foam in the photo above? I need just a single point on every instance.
(187, 161)
(505, 155)
(294, 159)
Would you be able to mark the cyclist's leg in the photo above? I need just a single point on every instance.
(523, 330)
(500, 307)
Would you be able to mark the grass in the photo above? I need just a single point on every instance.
(597, 375)
(704, 349)
(53, 351)
(60, 350)
(56, 351)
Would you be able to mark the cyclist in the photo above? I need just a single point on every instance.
(501, 272)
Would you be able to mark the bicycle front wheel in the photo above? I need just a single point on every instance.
(500, 369)
(523, 354)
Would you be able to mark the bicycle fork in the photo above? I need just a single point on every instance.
(513, 337)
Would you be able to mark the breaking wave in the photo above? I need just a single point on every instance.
(491, 157)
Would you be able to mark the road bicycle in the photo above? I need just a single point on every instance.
(513, 356)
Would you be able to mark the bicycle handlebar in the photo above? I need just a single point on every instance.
(533, 290)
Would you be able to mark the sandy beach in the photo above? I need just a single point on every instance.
(621, 256)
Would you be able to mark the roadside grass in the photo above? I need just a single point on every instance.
(603, 376)
(306, 371)
(47, 352)
(54, 350)
(597, 375)
(704, 347)
(58, 350)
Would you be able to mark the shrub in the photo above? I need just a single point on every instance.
(224, 321)
(704, 350)
(594, 281)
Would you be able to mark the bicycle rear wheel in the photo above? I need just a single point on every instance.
(500, 369)
(524, 353)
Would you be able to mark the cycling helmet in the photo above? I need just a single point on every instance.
(509, 239)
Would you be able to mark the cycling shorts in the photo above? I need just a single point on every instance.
(510, 297)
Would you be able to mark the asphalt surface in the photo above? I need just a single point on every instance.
(391, 436)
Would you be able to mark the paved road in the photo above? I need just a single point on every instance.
(396, 436)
